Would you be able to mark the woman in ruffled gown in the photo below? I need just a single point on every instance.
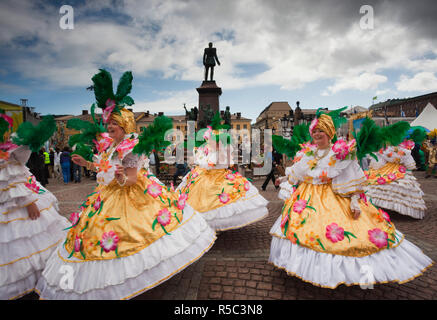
(132, 233)
(30, 225)
(391, 184)
(225, 199)
(328, 232)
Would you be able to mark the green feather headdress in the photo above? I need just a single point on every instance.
(371, 137)
(418, 135)
(152, 137)
(104, 93)
(35, 136)
(291, 147)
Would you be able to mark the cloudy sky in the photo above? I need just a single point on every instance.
(322, 53)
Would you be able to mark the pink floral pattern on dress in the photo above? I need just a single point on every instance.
(384, 215)
(284, 220)
(230, 176)
(74, 217)
(407, 144)
(182, 200)
(246, 186)
(402, 169)
(154, 189)
(32, 185)
(109, 241)
(8, 119)
(391, 176)
(299, 206)
(378, 237)
(224, 197)
(77, 244)
(381, 180)
(97, 203)
(334, 233)
(164, 217)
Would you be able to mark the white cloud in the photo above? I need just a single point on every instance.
(365, 81)
(422, 82)
(299, 42)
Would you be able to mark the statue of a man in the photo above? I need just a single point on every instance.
(227, 116)
(209, 59)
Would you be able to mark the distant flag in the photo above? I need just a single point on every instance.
(374, 98)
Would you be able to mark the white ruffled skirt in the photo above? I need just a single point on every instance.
(399, 264)
(126, 277)
(25, 245)
(403, 196)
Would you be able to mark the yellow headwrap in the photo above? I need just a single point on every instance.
(126, 120)
(325, 123)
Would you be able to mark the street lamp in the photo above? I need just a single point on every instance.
(285, 123)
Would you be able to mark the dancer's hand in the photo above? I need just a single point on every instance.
(356, 213)
(79, 160)
(33, 211)
(119, 174)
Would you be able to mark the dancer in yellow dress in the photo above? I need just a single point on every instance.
(225, 199)
(30, 225)
(132, 233)
(329, 233)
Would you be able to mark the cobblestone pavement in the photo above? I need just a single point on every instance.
(236, 267)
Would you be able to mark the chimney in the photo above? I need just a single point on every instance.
(238, 115)
(147, 113)
(84, 112)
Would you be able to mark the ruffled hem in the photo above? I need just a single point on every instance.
(394, 205)
(247, 210)
(124, 278)
(285, 191)
(24, 256)
(20, 288)
(399, 264)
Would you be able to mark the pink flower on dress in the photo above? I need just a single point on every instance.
(341, 149)
(74, 218)
(154, 189)
(384, 215)
(284, 220)
(299, 206)
(195, 174)
(110, 105)
(230, 176)
(97, 203)
(378, 237)
(246, 186)
(313, 124)
(224, 197)
(32, 185)
(182, 200)
(381, 180)
(391, 176)
(77, 244)
(164, 217)
(402, 169)
(103, 142)
(109, 241)
(334, 233)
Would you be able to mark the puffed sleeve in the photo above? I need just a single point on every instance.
(131, 160)
(351, 179)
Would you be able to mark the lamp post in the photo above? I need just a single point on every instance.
(285, 123)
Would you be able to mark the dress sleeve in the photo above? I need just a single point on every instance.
(350, 180)
(131, 160)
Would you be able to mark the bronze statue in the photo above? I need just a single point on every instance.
(227, 116)
(209, 59)
(208, 114)
(191, 115)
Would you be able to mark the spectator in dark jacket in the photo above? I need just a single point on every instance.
(65, 160)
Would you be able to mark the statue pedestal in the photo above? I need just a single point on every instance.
(209, 94)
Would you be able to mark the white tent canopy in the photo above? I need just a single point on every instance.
(427, 118)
